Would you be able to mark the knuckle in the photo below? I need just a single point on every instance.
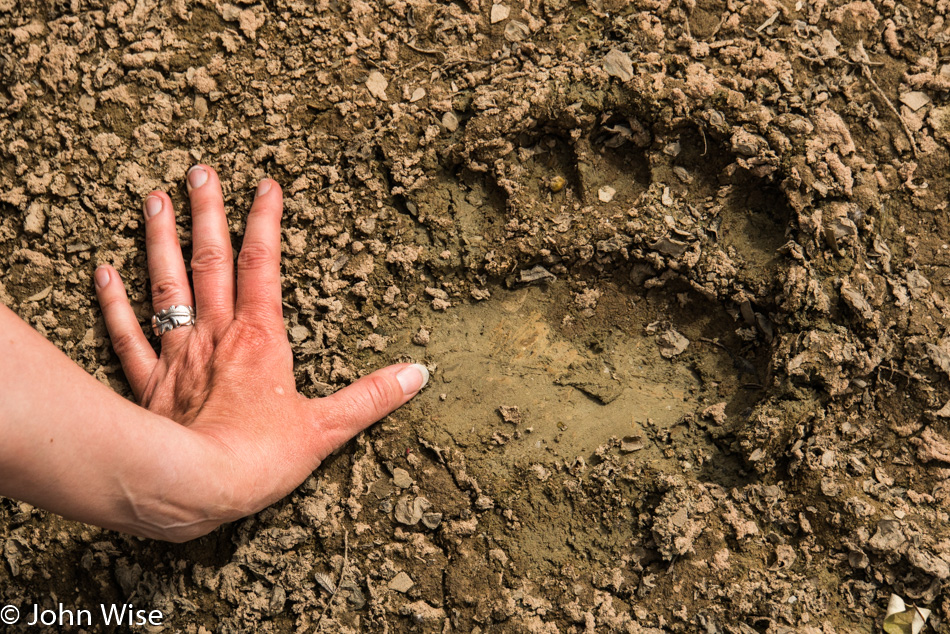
(166, 291)
(210, 257)
(256, 255)
(377, 395)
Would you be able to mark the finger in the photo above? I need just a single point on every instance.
(212, 265)
(129, 342)
(166, 266)
(258, 276)
(349, 411)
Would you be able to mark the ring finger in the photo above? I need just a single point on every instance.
(166, 266)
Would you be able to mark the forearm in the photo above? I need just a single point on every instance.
(72, 446)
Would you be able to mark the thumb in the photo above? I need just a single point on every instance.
(349, 411)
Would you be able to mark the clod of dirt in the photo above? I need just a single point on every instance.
(672, 343)
(510, 414)
(421, 338)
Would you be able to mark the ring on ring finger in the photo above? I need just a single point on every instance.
(172, 317)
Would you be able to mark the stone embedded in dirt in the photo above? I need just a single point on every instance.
(401, 478)
(35, 220)
(401, 583)
(516, 31)
(606, 193)
(417, 94)
(670, 247)
(377, 84)
(536, 274)
(617, 64)
(671, 343)
(915, 99)
(431, 520)
(510, 414)
(450, 122)
(499, 12)
(409, 511)
(629, 444)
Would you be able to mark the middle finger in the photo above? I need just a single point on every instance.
(212, 264)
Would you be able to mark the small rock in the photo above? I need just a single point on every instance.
(417, 94)
(915, 100)
(629, 444)
(499, 12)
(617, 64)
(431, 520)
(516, 31)
(606, 193)
(672, 343)
(450, 122)
(409, 513)
(401, 478)
(536, 274)
(401, 583)
(35, 221)
(377, 84)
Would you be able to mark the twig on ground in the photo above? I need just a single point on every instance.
(346, 560)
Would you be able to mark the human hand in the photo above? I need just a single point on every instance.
(229, 378)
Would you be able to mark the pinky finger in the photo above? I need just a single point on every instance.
(129, 342)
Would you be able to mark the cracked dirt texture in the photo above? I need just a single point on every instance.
(678, 269)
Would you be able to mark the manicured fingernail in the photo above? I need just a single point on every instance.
(263, 188)
(413, 378)
(153, 205)
(102, 277)
(197, 176)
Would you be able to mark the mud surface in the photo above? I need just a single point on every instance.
(679, 271)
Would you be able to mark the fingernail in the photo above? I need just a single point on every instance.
(102, 277)
(197, 176)
(263, 188)
(413, 378)
(153, 205)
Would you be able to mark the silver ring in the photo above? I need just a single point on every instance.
(171, 318)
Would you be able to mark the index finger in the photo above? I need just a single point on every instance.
(258, 277)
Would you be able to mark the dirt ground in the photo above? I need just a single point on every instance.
(679, 269)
